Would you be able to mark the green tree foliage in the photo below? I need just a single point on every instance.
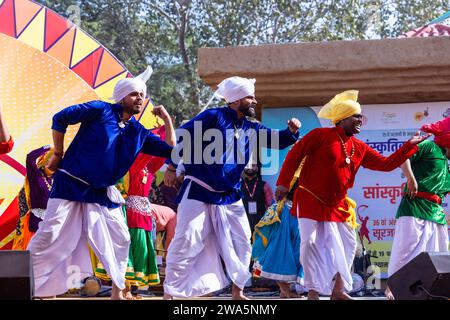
(399, 16)
(168, 33)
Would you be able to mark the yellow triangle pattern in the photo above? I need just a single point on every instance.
(84, 45)
(34, 33)
(106, 90)
(148, 120)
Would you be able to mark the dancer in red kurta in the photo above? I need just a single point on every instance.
(332, 158)
(141, 175)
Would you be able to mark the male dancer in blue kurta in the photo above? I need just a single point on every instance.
(84, 205)
(211, 220)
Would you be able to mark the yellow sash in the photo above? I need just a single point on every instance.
(273, 216)
(351, 204)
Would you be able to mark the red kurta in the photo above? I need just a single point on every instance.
(141, 176)
(326, 174)
(6, 147)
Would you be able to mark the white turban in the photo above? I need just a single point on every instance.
(128, 85)
(235, 88)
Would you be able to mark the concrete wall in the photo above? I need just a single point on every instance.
(305, 74)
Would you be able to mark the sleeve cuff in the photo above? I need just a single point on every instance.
(293, 136)
(58, 128)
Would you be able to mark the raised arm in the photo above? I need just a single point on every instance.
(77, 113)
(161, 112)
(186, 143)
(154, 146)
(293, 159)
(375, 161)
(286, 137)
(69, 116)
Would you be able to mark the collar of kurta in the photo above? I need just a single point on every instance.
(342, 134)
(118, 110)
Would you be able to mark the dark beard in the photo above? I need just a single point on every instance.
(250, 173)
(248, 111)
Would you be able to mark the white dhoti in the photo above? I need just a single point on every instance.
(326, 248)
(59, 249)
(414, 236)
(204, 234)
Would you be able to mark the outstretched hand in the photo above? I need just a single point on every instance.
(417, 138)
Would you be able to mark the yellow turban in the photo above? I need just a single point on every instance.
(342, 106)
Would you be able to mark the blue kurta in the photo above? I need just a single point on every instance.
(224, 174)
(101, 152)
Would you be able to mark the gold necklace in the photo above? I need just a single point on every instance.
(347, 157)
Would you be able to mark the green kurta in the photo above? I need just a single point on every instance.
(430, 167)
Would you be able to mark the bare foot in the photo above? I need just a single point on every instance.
(237, 293)
(117, 294)
(239, 297)
(167, 296)
(340, 295)
(285, 290)
(388, 294)
(128, 295)
(338, 292)
(313, 295)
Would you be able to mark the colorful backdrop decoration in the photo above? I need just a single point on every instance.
(46, 64)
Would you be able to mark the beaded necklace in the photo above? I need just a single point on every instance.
(347, 157)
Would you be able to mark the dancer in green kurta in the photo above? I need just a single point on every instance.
(421, 224)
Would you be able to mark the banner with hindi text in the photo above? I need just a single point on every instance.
(377, 194)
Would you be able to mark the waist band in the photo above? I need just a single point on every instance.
(111, 191)
(139, 204)
(203, 184)
(429, 196)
